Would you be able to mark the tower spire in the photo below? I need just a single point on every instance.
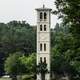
(43, 2)
(43, 6)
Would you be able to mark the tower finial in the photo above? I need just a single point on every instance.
(43, 6)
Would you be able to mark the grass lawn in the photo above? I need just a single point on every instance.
(5, 79)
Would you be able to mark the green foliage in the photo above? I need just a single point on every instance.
(17, 36)
(13, 65)
(69, 11)
(63, 57)
(42, 69)
(30, 63)
(18, 64)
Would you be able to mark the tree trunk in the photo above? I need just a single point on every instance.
(42, 76)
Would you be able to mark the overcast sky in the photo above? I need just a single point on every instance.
(24, 10)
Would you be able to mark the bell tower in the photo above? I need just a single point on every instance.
(43, 38)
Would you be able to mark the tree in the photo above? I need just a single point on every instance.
(3, 30)
(42, 69)
(16, 36)
(23, 36)
(63, 53)
(30, 63)
(13, 66)
(69, 12)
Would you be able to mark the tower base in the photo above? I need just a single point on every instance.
(47, 76)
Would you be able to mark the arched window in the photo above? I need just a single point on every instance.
(45, 59)
(40, 59)
(44, 27)
(45, 16)
(41, 15)
(44, 47)
(40, 27)
(41, 47)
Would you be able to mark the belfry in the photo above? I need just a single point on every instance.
(43, 38)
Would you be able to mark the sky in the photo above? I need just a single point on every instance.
(24, 10)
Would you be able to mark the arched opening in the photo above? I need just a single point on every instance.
(44, 27)
(41, 16)
(44, 47)
(45, 59)
(45, 16)
(40, 59)
(40, 27)
(40, 46)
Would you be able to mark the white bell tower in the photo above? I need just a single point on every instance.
(43, 38)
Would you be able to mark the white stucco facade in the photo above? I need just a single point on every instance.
(43, 38)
